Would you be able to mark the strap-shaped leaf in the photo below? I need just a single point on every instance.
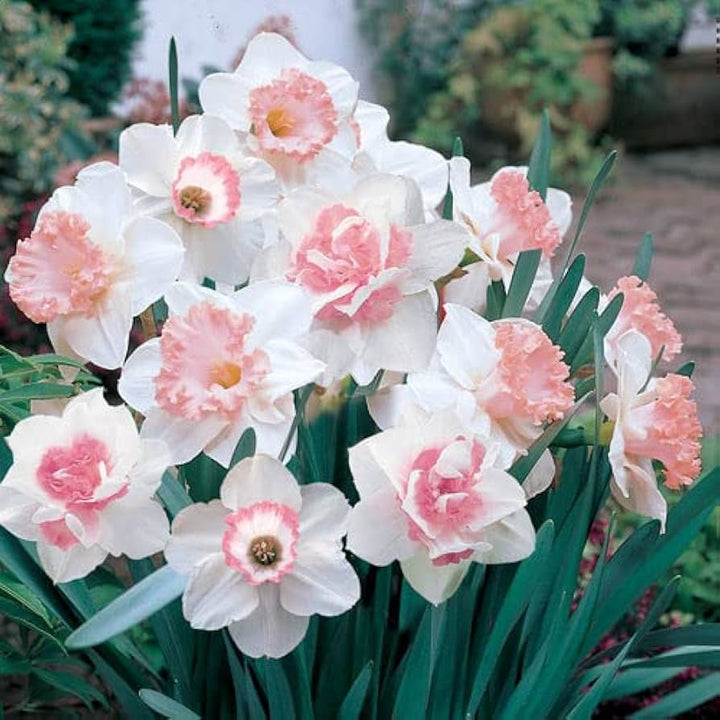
(165, 706)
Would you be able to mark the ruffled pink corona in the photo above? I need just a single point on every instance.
(206, 366)
(342, 257)
(206, 190)
(671, 428)
(259, 541)
(58, 270)
(294, 115)
(522, 219)
(443, 500)
(640, 311)
(532, 373)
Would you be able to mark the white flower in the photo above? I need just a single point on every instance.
(504, 217)
(222, 364)
(295, 113)
(436, 497)
(655, 419)
(264, 557)
(201, 183)
(377, 152)
(368, 262)
(81, 486)
(91, 264)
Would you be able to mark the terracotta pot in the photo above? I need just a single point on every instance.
(500, 109)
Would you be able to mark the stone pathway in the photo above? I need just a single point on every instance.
(676, 196)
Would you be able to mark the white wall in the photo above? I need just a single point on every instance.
(209, 32)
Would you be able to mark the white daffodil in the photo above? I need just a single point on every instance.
(222, 364)
(437, 498)
(91, 264)
(81, 486)
(294, 113)
(504, 217)
(659, 422)
(202, 184)
(368, 261)
(264, 557)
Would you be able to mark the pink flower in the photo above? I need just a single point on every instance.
(368, 262)
(657, 423)
(81, 486)
(91, 264)
(264, 557)
(222, 364)
(295, 112)
(505, 218)
(436, 498)
(202, 184)
(504, 377)
(641, 312)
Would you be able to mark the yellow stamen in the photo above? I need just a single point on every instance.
(280, 122)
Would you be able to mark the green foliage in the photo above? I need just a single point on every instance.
(36, 116)
(643, 31)
(104, 37)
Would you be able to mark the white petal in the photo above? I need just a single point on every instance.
(197, 533)
(103, 338)
(559, 204)
(226, 95)
(634, 361)
(324, 514)
(181, 296)
(137, 380)
(390, 406)
(132, 528)
(378, 530)
(470, 290)
(437, 249)
(406, 340)
(541, 476)
(205, 133)
(340, 84)
(155, 253)
(147, 154)
(184, 438)
(260, 478)
(282, 310)
(267, 54)
(512, 539)
(643, 495)
(323, 584)
(270, 630)
(259, 188)
(436, 583)
(466, 344)
(372, 120)
(297, 213)
(385, 199)
(217, 596)
(147, 473)
(66, 565)
(291, 368)
(16, 513)
(501, 495)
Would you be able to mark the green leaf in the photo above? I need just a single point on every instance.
(632, 682)
(277, 690)
(172, 494)
(28, 619)
(686, 698)
(495, 300)
(353, 703)
(577, 326)
(173, 85)
(687, 369)
(22, 595)
(601, 326)
(566, 292)
(447, 208)
(514, 605)
(203, 477)
(539, 166)
(641, 268)
(132, 607)
(245, 447)
(595, 187)
(690, 656)
(699, 634)
(522, 279)
(645, 556)
(36, 391)
(591, 699)
(165, 706)
(126, 696)
(70, 684)
(414, 689)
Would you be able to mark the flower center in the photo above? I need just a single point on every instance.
(266, 550)
(226, 374)
(194, 198)
(259, 541)
(280, 122)
(206, 190)
(207, 368)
